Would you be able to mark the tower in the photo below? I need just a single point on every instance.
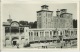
(66, 18)
(44, 17)
(58, 13)
(9, 20)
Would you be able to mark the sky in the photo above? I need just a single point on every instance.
(27, 11)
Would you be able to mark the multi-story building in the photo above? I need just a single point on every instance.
(45, 18)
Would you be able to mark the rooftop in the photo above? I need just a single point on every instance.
(44, 6)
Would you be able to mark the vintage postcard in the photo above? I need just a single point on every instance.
(39, 25)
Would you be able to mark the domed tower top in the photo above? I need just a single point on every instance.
(44, 7)
(63, 11)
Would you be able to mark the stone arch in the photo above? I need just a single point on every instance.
(15, 38)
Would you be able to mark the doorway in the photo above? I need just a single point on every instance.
(14, 43)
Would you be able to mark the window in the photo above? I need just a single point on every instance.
(50, 33)
(71, 32)
(29, 33)
(54, 32)
(39, 14)
(7, 29)
(22, 29)
(14, 29)
(37, 33)
(61, 33)
(41, 33)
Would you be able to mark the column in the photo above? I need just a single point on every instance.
(49, 35)
(10, 40)
(62, 35)
(44, 35)
(70, 32)
(19, 38)
(19, 35)
(70, 36)
(33, 35)
(59, 32)
(39, 35)
(64, 32)
(10, 36)
(4, 41)
(52, 33)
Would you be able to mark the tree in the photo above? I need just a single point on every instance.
(34, 24)
(74, 23)
(30, 24)
(23, 22)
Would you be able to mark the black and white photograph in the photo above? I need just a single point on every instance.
(40, 25)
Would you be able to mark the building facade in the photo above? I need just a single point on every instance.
(16, 35)
(45, 18)
(50, 32)
(35, 38)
